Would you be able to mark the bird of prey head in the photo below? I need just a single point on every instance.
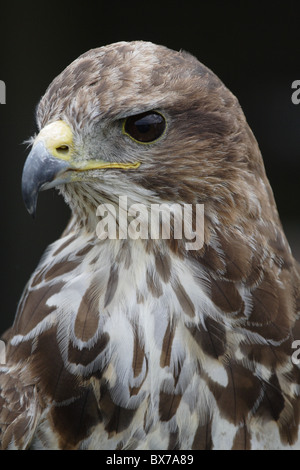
(142, 343)
(140, 119)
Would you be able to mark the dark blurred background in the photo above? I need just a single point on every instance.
(254, 47)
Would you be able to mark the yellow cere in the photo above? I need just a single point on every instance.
(58, 139)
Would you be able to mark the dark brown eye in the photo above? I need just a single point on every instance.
(145, 127)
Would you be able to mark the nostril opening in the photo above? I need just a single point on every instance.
(63, 149)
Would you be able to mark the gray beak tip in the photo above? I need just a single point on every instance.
(30, 196)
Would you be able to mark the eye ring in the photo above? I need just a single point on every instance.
(145, 128)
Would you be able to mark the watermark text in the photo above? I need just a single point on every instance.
(296, 94)
(2, 353)
(154, 221)
(2, 92)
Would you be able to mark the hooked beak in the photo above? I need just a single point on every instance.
(51, 163)
(40, 170)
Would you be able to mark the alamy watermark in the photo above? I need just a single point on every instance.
(296, 354)
(2, 92)
(296, 94)
(154, 221)
(2, 353)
